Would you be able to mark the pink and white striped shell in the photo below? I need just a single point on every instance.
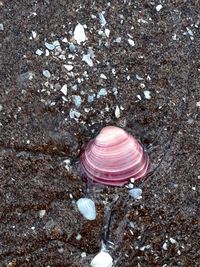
(113, 157)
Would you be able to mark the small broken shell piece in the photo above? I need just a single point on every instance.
(102, 259)
(87, 208)
(136, 193)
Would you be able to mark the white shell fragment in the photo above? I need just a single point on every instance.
(136, 193)
(102, 259)
(117, 112)
(158, 8)
(49, 46)
(88, 60)
(68, 67)
(147, 94)
(102, 92)
(79, 34)
(102, 19)
(77, 100)
(64, 89)
(39, 52)
(198, 104)
(107, 32)
(131, 42)
(46, 73)
(87, 208)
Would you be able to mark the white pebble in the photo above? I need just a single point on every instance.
(46, 73)
(1, 27)
(39, 52)
(34, 34)
(42, 213)
(172, 240)
(147, 94)
(102, 259)
(198, 104)
(1, 107)
(159, 7)
(117, 112)
(107, 32)
(103, 76)
(78, 237)
(87, 208)
(64, 89)
(68, 67)
(79, 34)
(118, 40)
(131, 42)
(83, 254)
(64, 40)
(164, 246)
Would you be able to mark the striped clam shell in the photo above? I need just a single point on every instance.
(113, 157)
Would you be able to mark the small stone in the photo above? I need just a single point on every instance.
(68, 67)
(147, 94)
(42, 213)
(46, 74)
(64, 89)
(117, 112)
(131, 42)
(139, 97)
(1, 107)
(39, 52)
(118, 40)
(158, 8)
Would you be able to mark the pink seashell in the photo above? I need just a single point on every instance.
(113, 157)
